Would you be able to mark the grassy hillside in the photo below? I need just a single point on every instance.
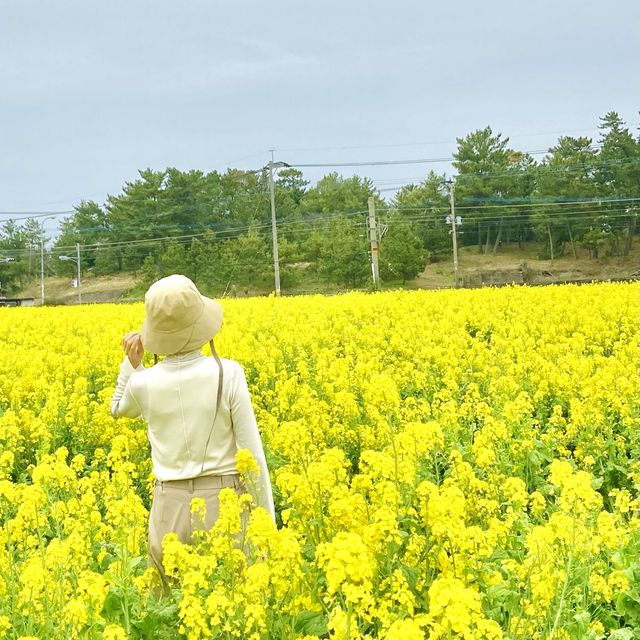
(94, 289)
(510, 259)
(474, 268)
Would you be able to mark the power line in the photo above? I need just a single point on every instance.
(289, 225)
(371, 163)
(285, 223)
(173, 198)
(482, 203)
(200, 235)
(568, 216)
(514, 173)
(254, 155)
(256, 224)
(146, 243)
(533, 172)
(562, 133)
(28, 215)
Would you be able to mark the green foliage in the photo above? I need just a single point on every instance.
(618, 172)
(569, 169)
(107, 260)
(143, 618)
(310, 623)
(335, 194)
(290, 186)
(401, 253)
(619, 175)
(19, 254)
(595, 240)
(216, 227)
(481, 159)
(429, 203)
(88, 226)
(148, 274)
(245, 259)
(344, 256)
(175, 259)
(490, 172)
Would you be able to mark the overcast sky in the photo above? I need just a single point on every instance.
(92, 90)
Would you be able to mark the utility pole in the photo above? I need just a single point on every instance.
(274, 231)
(373, 237)
(454, 236)
(41, 271)
(79, 283)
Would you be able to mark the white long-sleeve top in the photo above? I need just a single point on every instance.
(177, 398)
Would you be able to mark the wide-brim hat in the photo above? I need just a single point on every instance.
(178, 318)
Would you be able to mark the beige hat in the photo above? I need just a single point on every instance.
(178, 319)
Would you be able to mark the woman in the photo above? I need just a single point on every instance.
(198, 409)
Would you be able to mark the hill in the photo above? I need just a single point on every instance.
(510, 264)
(506, 263)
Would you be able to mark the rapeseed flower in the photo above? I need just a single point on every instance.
(463, 465)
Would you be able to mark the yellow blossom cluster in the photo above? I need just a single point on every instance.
(453, 464)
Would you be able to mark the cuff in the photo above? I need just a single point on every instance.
(126, 368)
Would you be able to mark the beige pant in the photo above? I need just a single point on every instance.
(171, 509)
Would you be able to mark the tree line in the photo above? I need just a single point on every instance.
(215, 227)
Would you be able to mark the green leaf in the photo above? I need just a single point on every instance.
(155, 619)
(622, 634)
(311, 623)
(596, 483)
(582, 619)
(112, 606)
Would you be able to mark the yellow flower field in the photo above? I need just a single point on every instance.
(454, 464)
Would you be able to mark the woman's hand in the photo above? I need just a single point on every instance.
(132, 346)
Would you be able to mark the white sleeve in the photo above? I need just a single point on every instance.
(123, 401)
(248, 437)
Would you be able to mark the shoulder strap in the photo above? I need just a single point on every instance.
(218, 400)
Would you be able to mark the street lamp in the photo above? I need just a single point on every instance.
(77, 261)
(454, 221)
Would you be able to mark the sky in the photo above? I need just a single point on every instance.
(92, 91)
